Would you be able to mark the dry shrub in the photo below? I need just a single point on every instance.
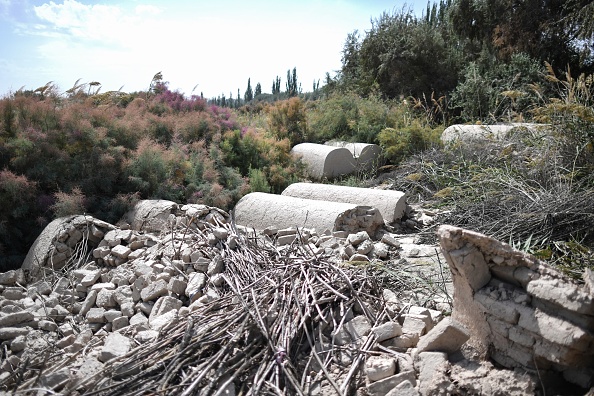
(288, 120)
(68, 204)
(196, 126)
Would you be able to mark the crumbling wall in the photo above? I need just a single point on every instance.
(63, 239)
(390, 203)
(520, 311)
(260, 210)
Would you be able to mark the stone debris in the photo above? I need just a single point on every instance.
(99, 309)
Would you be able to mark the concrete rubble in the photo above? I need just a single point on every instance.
(135, 283)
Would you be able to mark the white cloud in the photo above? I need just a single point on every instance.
(147, 9)
(218, 46)
(100, 23)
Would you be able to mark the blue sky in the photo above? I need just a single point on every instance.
(206, 46)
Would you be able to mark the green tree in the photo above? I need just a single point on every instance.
(258, 90)
(276, 86)
(292, 87)
(401, 55)
(249, 93)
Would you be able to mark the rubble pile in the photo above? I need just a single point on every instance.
(208, 307)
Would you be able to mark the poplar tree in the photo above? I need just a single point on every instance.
(258, 90)
(249, 94)
(292, 83)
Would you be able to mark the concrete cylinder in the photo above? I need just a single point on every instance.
(261, 210)
(325, 161)
(366, 155)
(391, 204)
(472, 132)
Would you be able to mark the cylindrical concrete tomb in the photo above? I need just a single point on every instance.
(325, 161)
(261, 210)
(472, 132)
(366, 155)
(391, 204)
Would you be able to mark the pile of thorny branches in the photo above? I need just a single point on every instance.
(271, 332)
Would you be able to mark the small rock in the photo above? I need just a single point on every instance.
(16, 318)
(88, 303)
(119, 323)
(164, 305)
(18, 344)
(121, 251)
(177, 286)
(448, 336)
(365, 247)
(358, 327)
(387, 330)
(405, 388)
(414, 325)
(47, 325)
(13, 293)
(220, 233)
(9, 278)
(216, 266)
(96, 315)
(359, 257)
(379, 367)
(383, 386)
(10, 333)
(116, 345)
(146, 336)
(356, 239)
(139, 320)
(111, 315)
(154, 290)
(390, 240)
(433, 368)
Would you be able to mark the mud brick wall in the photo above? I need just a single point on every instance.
(521, 312)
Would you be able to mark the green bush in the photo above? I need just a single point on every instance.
(399, 143)
(492, 91)
(258, 182)
(347, 117)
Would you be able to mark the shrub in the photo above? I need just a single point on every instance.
(147, 169)
(494, 91)
(405, 141)
(8, 127)
(258, 182)
(287, 119)
(67, 204)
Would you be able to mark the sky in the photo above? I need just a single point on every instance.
(209, 47)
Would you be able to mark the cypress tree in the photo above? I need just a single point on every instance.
(249, 94)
